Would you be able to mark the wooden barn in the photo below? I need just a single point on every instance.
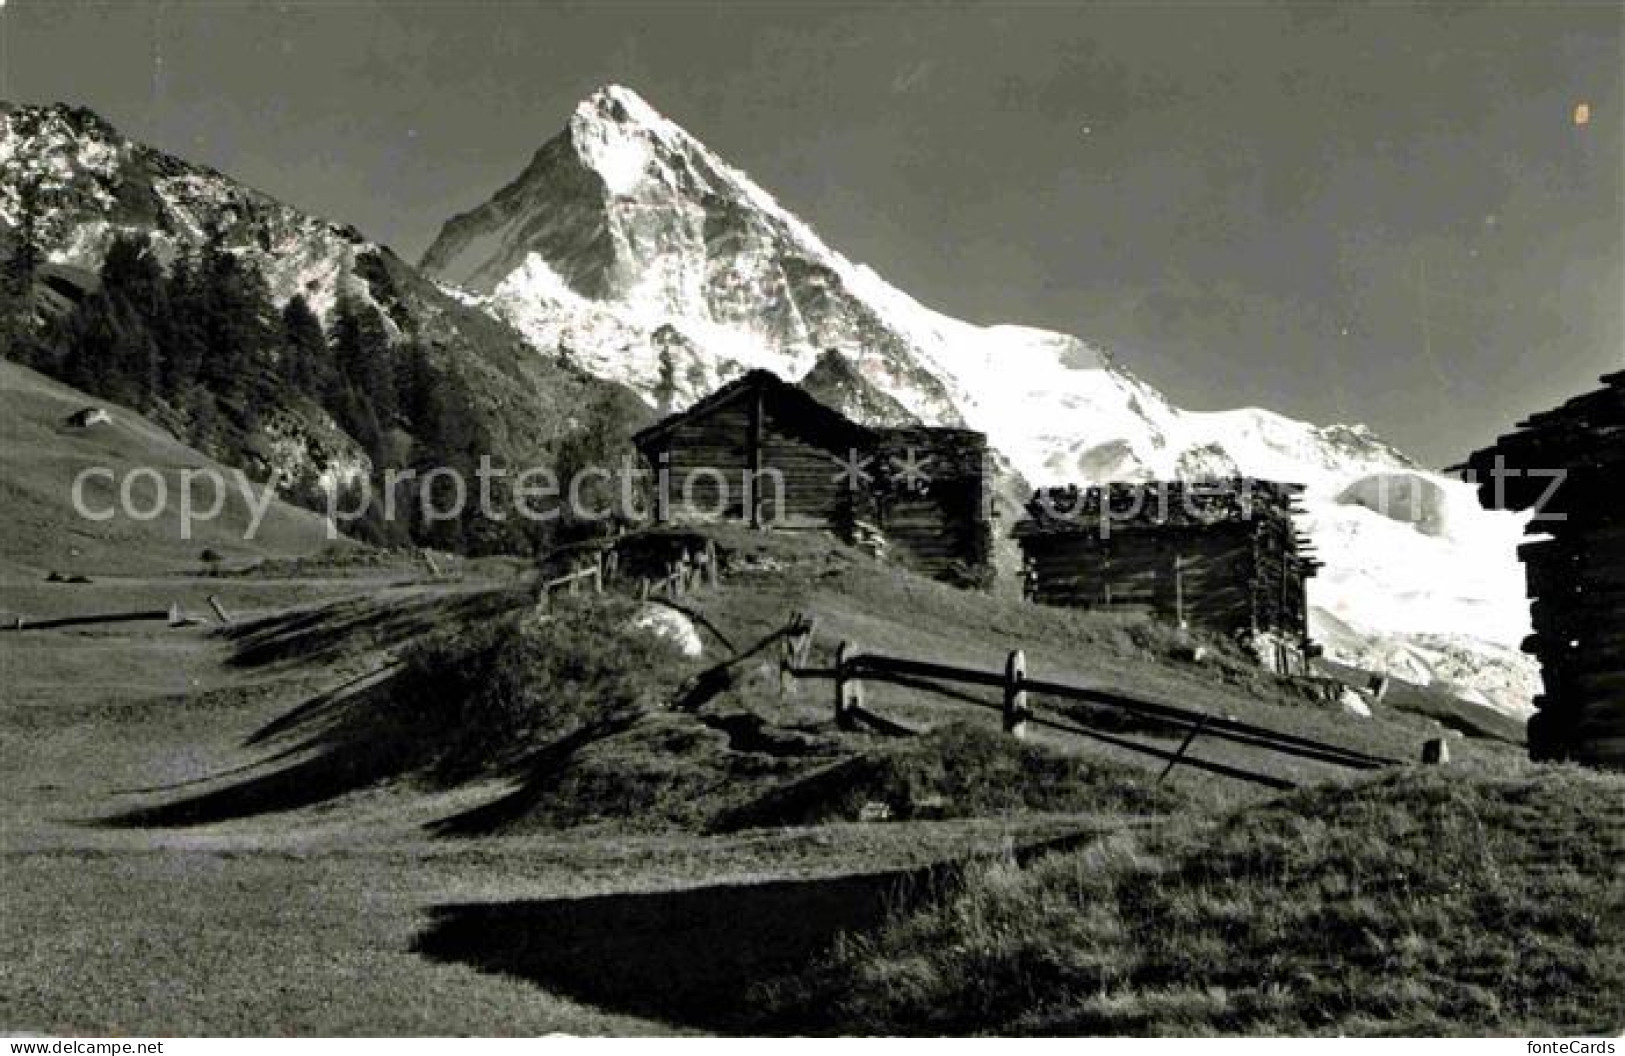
(1223, 556)
(1566, 467)
(764, 452)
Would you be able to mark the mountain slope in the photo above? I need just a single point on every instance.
(628, 247)
(93, 184)
(41, 456)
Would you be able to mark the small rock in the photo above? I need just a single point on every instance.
(89, 416)
(1355, 704)
(670, 625)
(873, 811)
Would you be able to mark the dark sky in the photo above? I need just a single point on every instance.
(1372, 213)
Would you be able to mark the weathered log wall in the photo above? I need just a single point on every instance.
(932, 497)
(703, 463)
(764, 452)
(1566, 467)
(1225, 556)
(1201, 576)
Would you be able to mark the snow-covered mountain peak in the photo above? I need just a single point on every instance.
(622, 139)
(621, 105)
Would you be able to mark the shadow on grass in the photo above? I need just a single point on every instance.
(325, 632)
(690, 957)
(540, 768)
(700, 957)
(345, 740)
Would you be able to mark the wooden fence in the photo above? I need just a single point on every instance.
(684, 574)
(574, 582)
(853, 669)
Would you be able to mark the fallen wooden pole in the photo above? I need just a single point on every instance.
(1216, 726)
(1145, 749)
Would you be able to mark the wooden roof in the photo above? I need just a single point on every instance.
(1157, 505)
(771, 384)
(1587, 433)
(809, 408)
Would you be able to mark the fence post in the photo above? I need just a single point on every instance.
(713, 574)
(643, 591)
(805, 639)
(1179, 589)
(848, 687)
(1015, 696)
(787, 656)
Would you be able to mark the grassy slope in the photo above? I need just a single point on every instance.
(884, 610)
(1418, 904)
(307, 919)
(40, 457)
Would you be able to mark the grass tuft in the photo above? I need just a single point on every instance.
(1416, 904)
(497, 691)
(958, 770)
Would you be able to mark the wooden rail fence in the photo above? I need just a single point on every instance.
(685, 573)
(853, 669)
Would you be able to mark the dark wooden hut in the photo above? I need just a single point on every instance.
(1223, 556)
(1566, 467)
(767, 453)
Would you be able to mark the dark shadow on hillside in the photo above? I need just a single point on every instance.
(329, 631)
(694, 956)
(689, 957)
(540, 769)
(345, 740)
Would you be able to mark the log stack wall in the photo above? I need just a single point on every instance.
(1566, 468)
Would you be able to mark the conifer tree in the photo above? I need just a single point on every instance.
(305, 355)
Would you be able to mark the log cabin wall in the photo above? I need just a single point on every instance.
(1225, 557)
(940, 525)
(801, 457)
(762, 430)
(1575, 568)
(703, 462)
(1203, 575)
